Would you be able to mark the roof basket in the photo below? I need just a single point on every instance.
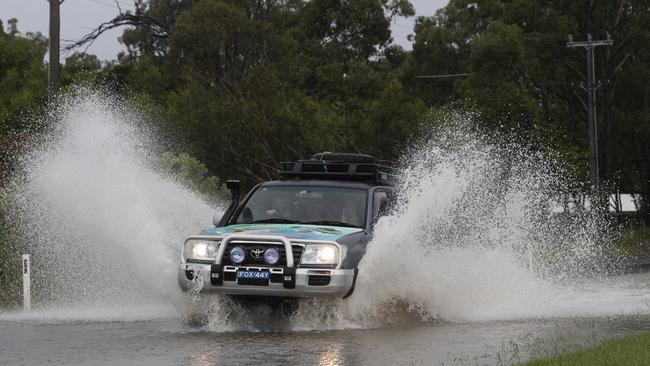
(339, 166)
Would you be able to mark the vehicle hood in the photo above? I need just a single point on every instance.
(291, 231)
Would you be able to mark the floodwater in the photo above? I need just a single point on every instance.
(157, 334)
(171, 342)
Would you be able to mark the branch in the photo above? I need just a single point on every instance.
(124, 19)
(621, 5)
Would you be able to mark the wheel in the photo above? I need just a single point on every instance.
(289, 307)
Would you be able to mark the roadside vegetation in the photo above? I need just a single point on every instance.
(633, 350)
(633, 238)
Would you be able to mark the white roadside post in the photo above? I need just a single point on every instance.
(27, 271)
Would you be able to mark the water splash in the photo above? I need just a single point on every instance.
(474, 237)
(104, 229)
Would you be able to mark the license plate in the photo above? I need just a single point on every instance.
(253, 275)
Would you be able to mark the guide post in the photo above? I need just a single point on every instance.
(27, 271)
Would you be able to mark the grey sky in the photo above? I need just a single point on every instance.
(78, 17)
(404, 26)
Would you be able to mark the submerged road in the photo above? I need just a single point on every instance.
(155, 335)
(170, 342)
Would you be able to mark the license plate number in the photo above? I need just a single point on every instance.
(253, 275)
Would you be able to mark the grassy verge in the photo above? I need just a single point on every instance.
(634, 239)
(9, 272)
(629, 350)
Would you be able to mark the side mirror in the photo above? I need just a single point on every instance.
(384, 207)
(217, 217)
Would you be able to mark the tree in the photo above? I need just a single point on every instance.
(192, 174)
(256, 83)
(524, 79)
(23, 76)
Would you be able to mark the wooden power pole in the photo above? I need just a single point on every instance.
(55, 30)
(591, 88)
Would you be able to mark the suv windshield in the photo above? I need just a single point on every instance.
(335, 206)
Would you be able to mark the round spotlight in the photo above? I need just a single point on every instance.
(271, 256)
(237, 255)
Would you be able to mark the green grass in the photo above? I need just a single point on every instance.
(629, 350)
(634, 239)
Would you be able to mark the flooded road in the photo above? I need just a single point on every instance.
(473, 267)
(171, 342)
(156, 334)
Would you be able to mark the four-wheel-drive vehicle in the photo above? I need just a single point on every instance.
(300, 236)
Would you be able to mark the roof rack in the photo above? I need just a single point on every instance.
(339, 166)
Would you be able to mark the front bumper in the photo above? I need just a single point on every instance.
(308, 282)
(285, 281)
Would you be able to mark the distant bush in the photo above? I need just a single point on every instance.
(192, 174)
(11, 247)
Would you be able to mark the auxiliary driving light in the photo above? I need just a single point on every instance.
(271, 256)
(237, 255)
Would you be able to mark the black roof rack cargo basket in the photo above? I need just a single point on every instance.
(339, 166)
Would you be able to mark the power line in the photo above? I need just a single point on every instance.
(105, 4)
(442, 76)
(114, 5)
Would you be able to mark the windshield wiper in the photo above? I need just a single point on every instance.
(330, 223)
(275, 220)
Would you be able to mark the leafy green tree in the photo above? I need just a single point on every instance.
(259, 85)
(192, 174)
(524, 79)
(23, 77)
(23, 90)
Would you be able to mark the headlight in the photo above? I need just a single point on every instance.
(271, 256)
(201, 250)
(320, 254)
(237, 254)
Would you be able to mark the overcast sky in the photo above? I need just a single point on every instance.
(79, 17)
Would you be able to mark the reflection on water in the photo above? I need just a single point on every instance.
(169, 342)
(202, 359)
(286, 348)
(331, 355)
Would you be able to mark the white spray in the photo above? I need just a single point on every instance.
(105, 230)
(475, 238)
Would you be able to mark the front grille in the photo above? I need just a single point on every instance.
(251, 261)
(318, 280)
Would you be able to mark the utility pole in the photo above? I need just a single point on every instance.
(591, 88)
(55, 29)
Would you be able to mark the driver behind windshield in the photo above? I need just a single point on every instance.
(318, 205)
(279, 206)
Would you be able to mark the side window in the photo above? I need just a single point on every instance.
(380, 196)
